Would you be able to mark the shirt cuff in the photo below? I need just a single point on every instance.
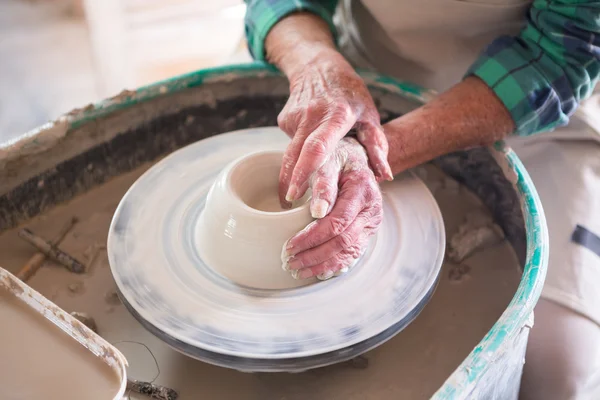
(535, 100)
(261, 16)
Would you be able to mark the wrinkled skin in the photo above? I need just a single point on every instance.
(348, 204)
(327, 100)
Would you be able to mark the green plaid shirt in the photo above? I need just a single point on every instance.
(540, 75)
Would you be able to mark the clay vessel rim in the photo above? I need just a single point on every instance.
(239, 202)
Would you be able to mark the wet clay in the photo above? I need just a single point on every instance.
(267, 201)
(39, 361)
(256, 183)
(470, 297)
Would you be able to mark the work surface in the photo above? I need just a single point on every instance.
(413, 365)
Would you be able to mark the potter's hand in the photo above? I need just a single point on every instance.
(327, 99)
(347, 201)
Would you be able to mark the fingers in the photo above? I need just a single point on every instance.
(347, 206)
(298, 123)
(316, 148)
(324, 189)
(351, 242)
(373, 138)
(335, 239)
(328, 268)
(290, 156)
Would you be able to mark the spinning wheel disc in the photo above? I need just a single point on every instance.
(166, 285)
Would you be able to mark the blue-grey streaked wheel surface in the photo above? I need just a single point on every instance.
(174, 294)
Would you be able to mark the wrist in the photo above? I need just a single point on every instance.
(298, 39)
(406, 147)
(307, 55)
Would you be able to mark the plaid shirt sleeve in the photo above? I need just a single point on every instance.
(542, 74)
(262, 15)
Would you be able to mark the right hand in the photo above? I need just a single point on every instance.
(327, 99)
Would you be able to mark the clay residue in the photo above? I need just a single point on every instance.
(112, 298)
(477, 232)
(87, 320)
(76, 287)
(19, 153)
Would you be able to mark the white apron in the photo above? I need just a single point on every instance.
(432, 43)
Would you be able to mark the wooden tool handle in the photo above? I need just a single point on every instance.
(52, 251)
(36, 261)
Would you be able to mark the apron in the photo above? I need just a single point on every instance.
(432, 43)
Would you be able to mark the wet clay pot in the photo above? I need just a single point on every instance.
(243, 228)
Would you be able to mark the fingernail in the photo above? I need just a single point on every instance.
(286, 264)
(291, 193)
(289, 252)
(284, 251)
(325, 275)
(341, 271)
(319, 208)
(296, 274)
(305, 273)
(386, 171)
(288, 249)
(288, 245)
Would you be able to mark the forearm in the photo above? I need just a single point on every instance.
(297, 40)
(521, 85)
(466, 116)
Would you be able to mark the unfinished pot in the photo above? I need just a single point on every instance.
(243, 228)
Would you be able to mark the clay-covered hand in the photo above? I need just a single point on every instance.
(327, 100)
(347, 202)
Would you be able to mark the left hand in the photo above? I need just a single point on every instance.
(347, 202)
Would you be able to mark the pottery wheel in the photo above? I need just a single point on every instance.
(166, 285)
